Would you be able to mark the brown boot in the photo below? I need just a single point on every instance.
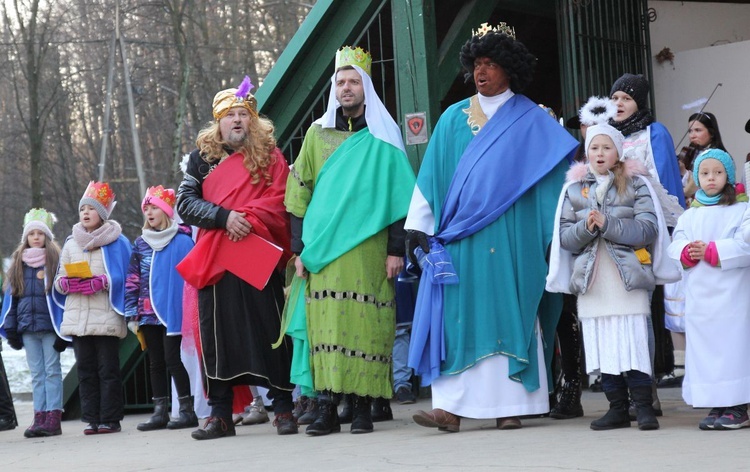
(437, 418)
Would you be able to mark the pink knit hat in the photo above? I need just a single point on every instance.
(160, 197)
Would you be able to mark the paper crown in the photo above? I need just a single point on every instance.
(41, 215)
(235, 97)
(503, 28)
(101, 197)
(346, 56)
(38, 218)
(163, 198)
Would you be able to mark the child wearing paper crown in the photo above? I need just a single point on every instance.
(608, 226)
(153, 305)
(94, 306)
(711, 244)
(31, 320)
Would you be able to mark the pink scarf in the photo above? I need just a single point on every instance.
(34, 256)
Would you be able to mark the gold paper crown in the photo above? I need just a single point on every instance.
(503, 28)
(347, 56)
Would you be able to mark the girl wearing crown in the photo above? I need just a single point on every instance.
(30, 319)
(91, 277)
(153, 305)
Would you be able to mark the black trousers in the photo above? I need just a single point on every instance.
(7, 412)
(99, 378)
(164, 355)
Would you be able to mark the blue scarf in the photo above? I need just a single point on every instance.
(704, 199)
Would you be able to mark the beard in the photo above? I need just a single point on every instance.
(238, 139)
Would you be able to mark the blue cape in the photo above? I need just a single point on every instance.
(166, 283)
(55, 312)
(666, 162)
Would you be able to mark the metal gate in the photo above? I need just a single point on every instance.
(599, 41)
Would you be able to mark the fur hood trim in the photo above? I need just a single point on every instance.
(579, 170)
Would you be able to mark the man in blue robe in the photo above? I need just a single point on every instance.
(480, 222)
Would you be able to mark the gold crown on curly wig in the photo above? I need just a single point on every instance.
(503, 27)
(346, 56)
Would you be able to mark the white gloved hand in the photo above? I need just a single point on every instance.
(133, 326)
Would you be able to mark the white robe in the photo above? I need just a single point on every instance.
(717, 307)
(485, 391)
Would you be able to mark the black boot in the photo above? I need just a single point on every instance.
(159, 419)
(617, 416)
(187, 418)
(327, 421)
(346, 411)
(643, 398)
(361, 415)
(381, 410)
(569, 405)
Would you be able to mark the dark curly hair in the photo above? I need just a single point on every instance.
(517, 62)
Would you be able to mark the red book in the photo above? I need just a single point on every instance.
(253, 259)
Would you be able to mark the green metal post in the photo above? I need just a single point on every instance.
(415, 47)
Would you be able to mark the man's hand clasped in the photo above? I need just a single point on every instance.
(237, 226)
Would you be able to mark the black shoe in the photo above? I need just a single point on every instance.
(91, 428)
(327, 421)
(362, 416)
(617, 416)
(159, 419)
(6, 424)
(404, 396)
(107, 428)
(346, 409)
(285, 424)
(215, 428)
(569, 405)
(645, 415)
(187, 418)
(381, 410)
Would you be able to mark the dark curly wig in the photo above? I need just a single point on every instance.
(517, 62)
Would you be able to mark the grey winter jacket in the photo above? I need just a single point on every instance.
(630, 224)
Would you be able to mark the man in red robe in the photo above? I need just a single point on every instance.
(234, 185)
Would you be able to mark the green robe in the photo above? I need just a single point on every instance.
(347, 203)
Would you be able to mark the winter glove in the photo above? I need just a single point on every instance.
(14, 340)
(133, 327)
(70, 284)
(413, 239)
(94, 284)
(61, 344)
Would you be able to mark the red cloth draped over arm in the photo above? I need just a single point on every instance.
(230, 186)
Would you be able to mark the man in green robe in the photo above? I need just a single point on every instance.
(348, 193)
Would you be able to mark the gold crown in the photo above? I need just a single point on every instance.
(503, 28)
(346, 56)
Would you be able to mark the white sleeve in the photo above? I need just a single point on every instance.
(420, 216)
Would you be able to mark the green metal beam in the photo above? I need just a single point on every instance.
(303, 69)
(415, 47)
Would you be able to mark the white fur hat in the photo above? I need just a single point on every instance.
(608, 130)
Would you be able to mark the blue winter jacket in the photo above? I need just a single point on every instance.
(30, 313)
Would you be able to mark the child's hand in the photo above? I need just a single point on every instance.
(595, 220)
(697, 250)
